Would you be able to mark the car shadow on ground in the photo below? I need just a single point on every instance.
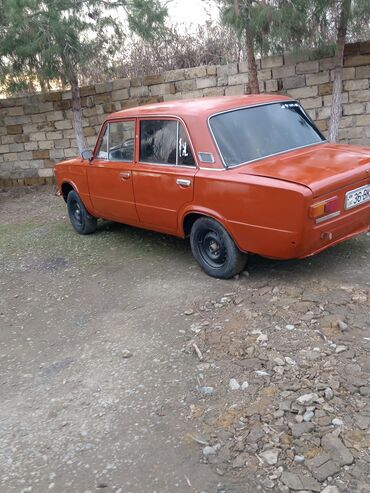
(342, 262)
(138, 234)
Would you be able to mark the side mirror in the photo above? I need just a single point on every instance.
(88, 155)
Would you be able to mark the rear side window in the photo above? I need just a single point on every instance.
(158, 141)
(185, 156)
(164, 142)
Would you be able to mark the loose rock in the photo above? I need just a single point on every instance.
(234, 384)
(208, 450)
(308, 416)
(206, 390)
(322, 466)
(328, 394)
(261, 373)
(290, 361)
(262, 339)
(301, 428)
(307, 399)
(298, 482)
(337, 450)
(126, 354)
(330, 489)
(270, 456)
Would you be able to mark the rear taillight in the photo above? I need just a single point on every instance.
(325, 210)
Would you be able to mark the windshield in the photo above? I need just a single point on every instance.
(252, 133)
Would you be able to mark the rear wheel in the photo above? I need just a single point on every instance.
(80, 219)
(215, 250)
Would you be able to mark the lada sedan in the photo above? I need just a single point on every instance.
(239, 175)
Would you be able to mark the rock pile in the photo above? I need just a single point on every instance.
(290, 373)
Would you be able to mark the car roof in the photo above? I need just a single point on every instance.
(198, 107)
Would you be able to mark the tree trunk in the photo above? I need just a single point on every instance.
(42, 84)
(76, 114)
(336, 105)
(63, 82)
(252, 66)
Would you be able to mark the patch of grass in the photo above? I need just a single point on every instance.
(34, 240)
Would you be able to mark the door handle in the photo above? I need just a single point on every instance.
(125, 175)
(183, 183)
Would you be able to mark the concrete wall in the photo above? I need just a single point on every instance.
(36, 131)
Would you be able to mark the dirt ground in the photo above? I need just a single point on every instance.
(124, 368)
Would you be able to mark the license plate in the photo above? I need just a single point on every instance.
(357, 197)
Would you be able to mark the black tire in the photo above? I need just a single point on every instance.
(214, 249)
(81, 220)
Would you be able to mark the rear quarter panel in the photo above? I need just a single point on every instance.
(349, 223)
(263, 215)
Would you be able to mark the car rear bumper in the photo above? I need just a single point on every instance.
(335, 231)
(313, 238)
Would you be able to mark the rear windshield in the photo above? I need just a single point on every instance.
(253, 133)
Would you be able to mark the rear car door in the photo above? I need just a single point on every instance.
(164, 174)
(110, 172)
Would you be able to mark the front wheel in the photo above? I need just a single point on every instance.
(80, 219)
(214, 249)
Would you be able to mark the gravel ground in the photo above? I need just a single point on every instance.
(125, 369)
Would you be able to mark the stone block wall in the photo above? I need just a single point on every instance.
(36, 131)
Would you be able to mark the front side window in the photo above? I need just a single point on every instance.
(117, 142)
(103, 146)
(253, 133)
(164, 142)
(121, 141)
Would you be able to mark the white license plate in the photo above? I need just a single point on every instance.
(357, 197)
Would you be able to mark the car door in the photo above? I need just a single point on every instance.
(110, 172)
(164, 174)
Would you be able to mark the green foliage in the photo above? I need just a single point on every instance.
(53, 39)
(254, 16)
(295, 25)
(314, 23)
(359, 22)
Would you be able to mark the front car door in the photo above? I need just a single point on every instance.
(110, 172)
(164, 174)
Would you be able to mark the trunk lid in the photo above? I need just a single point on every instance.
(322, 168)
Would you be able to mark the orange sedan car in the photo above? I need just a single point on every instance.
(246, 174)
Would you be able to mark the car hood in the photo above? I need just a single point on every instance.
(322, 168)
(74, 160)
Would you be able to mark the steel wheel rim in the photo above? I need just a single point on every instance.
(212, 249)
(77, 213)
